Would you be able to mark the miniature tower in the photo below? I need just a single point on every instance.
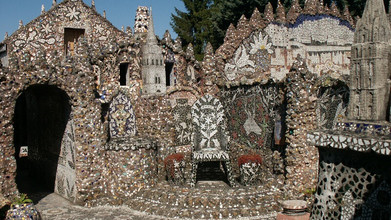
(153, 71)
(370, 73)
(141, 22)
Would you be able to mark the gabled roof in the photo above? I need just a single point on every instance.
(54, 9)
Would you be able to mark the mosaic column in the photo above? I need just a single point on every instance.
(301, 157)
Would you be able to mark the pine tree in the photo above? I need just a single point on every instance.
(193, 26)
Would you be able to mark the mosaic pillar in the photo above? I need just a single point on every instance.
(301, 157)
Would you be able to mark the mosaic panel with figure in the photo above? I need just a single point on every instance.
(332, 105)
(122, 117)
(250, 114)
(182, 122)
(251, 58)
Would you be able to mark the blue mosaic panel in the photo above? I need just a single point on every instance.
(122, 117)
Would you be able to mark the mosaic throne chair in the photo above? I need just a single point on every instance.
(209, 138)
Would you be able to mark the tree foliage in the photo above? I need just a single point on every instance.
(194, 25)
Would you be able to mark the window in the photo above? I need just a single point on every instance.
(71, 35)
(152, 62)
(124, 70)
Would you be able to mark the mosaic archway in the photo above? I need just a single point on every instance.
(44, 141)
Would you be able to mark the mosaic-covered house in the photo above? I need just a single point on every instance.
(98, 113)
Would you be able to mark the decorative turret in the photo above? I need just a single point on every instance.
(141, 22)
(269, 16)
(294, 12)
(370, 73)
(280, 12)
(153, 71)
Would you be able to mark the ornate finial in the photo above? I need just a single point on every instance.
(6, 35)
(104, 13)
(294, 12)
(334, 10)
(280, 11)
(54, 3)
(42, 9)
(230, 33)
(178, 44)
(93, 4)
(310, 7)
(209, 49)
(122, 28)
(190, 52)
(269, 16)
(128, 31)
(256, 20)
(20, 23)
(242, 23)
(347, 16)
(320, 7)
(167, 37)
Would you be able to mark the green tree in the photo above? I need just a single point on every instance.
(226, 12)
(193, 26)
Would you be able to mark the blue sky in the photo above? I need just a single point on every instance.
(118, 12)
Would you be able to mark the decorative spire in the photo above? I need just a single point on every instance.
(122, 28)
(178, 44)
(93, 4)
(42, 9)
(334, 10)
(280, 11)
(320, 7)
(310, 7)
(208, 64)
(167, 37)
(6, 35)
(54, 3)
(269, 16)
(242, 23)
(128, 31)
(294, 12)
(209, 49)
(230, 33)
(256, 20)
(190, 52)
(104, 13)
(347, 16)
(151, 37)
(20, 24)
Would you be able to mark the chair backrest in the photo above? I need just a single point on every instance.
(122, 120)
(208, 124)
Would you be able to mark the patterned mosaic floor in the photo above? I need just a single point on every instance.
(209, 200)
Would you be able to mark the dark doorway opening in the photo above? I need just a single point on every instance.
(123, 68)
(41, 115)
(168, 67)
(212, 171)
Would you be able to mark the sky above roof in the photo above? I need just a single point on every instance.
(118, 12)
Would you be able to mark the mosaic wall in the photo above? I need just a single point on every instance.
(89, 77)
(352, 185)
(260, 48)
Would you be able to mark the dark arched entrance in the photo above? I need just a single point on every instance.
(41, 116)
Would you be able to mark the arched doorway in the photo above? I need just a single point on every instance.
(40, 120)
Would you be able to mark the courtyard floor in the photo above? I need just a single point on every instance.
(209, 200)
